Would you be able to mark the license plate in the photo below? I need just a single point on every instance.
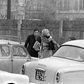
(40, 74)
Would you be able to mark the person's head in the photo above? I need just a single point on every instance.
(36, 32)
(71, 38)
(45, 32)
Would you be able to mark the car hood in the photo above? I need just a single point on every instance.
(6, 78)
(57, 63)
(52, 66)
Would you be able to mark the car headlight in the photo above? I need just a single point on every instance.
(58, 77)
(23, 69)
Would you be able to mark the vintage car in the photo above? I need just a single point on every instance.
(66, 66)
(12, 56)
(11, 78)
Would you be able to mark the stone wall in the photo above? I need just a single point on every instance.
(68, 28)
(28, 26)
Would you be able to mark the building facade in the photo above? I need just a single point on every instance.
(70, 9)
(43, 9)
(17, 9)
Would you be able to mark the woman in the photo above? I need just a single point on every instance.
(47, 44)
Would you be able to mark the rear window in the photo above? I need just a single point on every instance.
(19, 51)
(4, 51)
(70, 52)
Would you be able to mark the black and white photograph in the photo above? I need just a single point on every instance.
(41, 41)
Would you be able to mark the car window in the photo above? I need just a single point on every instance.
(4, 51)
(70, 52)
(19, 51)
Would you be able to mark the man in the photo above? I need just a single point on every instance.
(32, 43)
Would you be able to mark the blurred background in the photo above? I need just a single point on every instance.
(64, 18)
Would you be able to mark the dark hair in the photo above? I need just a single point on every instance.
(72, 38)
(36, 30)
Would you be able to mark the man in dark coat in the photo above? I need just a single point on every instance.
(30, 42)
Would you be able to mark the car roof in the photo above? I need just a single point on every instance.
(79, 43)
(2, 41)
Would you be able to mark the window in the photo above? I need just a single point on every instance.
(81, 4)
(76, 7)
(4, 51)
(19, 51)
(60, 5)
(68, 5)
(63, 5)
(70, 52)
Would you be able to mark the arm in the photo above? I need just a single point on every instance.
(39, 39)
(26, 42)
(55, 43)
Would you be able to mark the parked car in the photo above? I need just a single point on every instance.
(12, 56)
(66, 66)
(11, 78)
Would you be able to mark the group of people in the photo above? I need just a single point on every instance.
(40, 45)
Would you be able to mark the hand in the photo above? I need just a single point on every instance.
(50, 39)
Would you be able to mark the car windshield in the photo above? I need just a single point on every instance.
(70, 52)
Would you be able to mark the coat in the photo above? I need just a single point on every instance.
(30, 43)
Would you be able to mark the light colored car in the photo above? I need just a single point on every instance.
(66, 66)
(10, 78)
(12, 56)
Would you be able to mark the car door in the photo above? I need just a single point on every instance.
(5, 58)
(20, 56)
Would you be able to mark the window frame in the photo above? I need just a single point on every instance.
(9, 51)
(18, 56)
(70, 10)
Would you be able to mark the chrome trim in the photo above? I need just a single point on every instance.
(40, 69)
(73, 71)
